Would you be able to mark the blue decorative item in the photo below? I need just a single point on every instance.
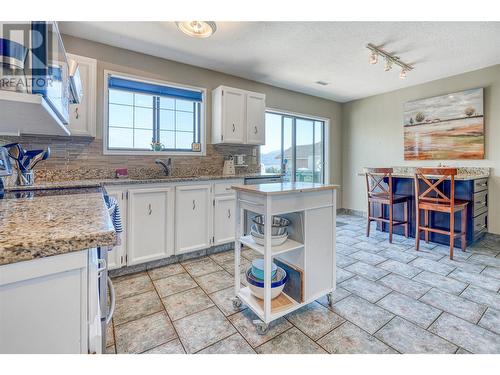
(258, 269)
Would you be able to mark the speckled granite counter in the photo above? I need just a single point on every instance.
(43, 226)
(463, 173)
(128, 181)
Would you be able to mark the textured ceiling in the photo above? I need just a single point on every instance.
(294, 55)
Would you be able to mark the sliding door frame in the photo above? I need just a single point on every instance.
(326, 139)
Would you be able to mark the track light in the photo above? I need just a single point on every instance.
(390, 60)
(388, 64)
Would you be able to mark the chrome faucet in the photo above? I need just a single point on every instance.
(167, 167)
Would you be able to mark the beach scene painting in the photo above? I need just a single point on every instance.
(446, 127)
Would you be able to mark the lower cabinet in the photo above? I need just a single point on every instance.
(224, 219)
(193, 215)
(150, 227)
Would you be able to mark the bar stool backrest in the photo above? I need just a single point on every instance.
(432, 193)
(379, 182)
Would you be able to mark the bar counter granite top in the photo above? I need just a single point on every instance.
(463, 173)
(284, 188)
(129, 181)
(43, 226)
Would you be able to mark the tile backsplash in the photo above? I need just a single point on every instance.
(74, 158)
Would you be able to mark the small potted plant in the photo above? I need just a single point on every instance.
(157, 146)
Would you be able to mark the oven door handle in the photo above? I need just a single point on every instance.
(102, 266)
(112, 297)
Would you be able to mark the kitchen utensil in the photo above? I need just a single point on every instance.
(239, 160)
(228, 169)
(39, 158)
(258, 269)
(257, 286)
(30, 155)
(259, 238)
(278, 225)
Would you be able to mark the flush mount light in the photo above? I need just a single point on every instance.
(197, 29)
(390, 60)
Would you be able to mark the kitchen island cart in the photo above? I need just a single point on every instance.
(308, 252)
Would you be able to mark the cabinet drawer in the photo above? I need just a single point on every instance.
(225, 187)
(480, 185)
(480, 202)
(480, 224)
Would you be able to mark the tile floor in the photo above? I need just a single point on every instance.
(389, 299)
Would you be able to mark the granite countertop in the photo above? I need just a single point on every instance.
(284, 188)
(463, 173)
(42, 226)
(128, 181)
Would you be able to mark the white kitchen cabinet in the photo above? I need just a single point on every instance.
(150, 226)
(82, 119)
(224, 219)
(237, 116)
(50, 305)
(117, 255)
(193, 217)
(255, 118)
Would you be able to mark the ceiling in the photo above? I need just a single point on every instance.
(295, 55)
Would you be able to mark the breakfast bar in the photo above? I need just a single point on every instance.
(307, 255)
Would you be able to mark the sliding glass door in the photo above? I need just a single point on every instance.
(294, 147)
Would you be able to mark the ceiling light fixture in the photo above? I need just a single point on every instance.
(390, 60)
(197, 29)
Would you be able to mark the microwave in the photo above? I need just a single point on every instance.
(47, 71)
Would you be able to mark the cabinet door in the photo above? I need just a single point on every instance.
(233, 116)
(150, 225)
(224, 219)
(82, 116)
(116, 257)
(255, 119)
(193, 218)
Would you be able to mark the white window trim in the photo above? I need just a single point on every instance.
(203, 125)
(327, 135)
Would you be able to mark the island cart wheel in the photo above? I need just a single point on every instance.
(236, 303)
(329, 297)
(261, 327)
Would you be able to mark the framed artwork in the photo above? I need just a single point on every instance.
(446, 127)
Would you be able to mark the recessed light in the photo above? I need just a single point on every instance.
(322, 83)
(197, 29)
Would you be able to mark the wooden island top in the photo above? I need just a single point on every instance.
(284, 188)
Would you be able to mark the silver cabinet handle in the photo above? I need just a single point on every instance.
(229, 213)
(234, 128)
(102, 266)
(77, 115)
(112, 298)
(255, 131)
(194, 204)
(150, 209)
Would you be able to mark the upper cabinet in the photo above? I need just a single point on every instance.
(238, 116)
(82, 116)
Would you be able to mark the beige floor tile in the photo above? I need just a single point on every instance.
(201, 267)
(243, 321)
(202, 329)
(234, 344)
(144, 333)
(215, 281)
(223, 299)
(110, 350)
(166, 271)
(130, 285)
(171, 347)
(223, 256)
(132, 308)
(174, 284)
(291, 342)
(186, 303)
(350, 339)
(314, 320)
